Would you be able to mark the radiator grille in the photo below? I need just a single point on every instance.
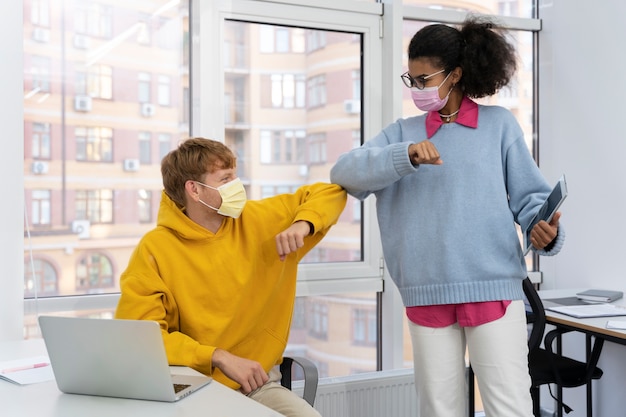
(380, 394)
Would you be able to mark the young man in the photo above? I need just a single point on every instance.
(219, 272)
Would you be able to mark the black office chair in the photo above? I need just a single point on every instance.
(310, 376)
(547, 366)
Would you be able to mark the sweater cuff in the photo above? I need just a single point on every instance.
(401, 160)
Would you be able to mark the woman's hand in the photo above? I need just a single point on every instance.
(544, 233)
(424, 153)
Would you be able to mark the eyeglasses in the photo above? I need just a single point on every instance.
(417, 82)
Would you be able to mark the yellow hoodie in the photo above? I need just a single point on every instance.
(229, 289)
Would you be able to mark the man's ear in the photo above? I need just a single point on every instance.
(191, 189)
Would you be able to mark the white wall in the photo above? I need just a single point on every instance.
(582, 134)
(11, 161)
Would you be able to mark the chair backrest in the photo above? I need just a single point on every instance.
(536, 316)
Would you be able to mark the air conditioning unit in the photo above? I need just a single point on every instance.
(303, 170)
(81, 228)
(81, 42)
(131, 165)
(82, 103)
(352, 106)
(147, 109)
(41, 34)
(39, 167)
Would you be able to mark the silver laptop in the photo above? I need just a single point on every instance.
(113, 358)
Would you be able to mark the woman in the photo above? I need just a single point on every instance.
(455, 181)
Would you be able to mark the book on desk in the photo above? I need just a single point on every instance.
(599, 296)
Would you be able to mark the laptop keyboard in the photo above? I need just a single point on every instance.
(179, 387)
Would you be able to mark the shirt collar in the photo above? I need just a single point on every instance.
(467, 116)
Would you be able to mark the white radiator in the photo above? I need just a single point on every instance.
(376, 394)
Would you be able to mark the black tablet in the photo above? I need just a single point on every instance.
(547, 210)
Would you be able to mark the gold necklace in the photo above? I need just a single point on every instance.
(448, 116)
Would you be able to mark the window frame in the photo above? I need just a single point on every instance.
(354, 17)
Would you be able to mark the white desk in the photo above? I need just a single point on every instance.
(45, 399)
(594, 329)
(595, 326)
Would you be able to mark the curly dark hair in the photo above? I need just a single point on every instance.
(479, 47)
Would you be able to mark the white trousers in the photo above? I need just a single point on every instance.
(498, 352)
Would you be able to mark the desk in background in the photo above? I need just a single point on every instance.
(45, 400)
(594, 328)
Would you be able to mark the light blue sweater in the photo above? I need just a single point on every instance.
(448, 231)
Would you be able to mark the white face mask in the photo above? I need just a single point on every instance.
(428, 99)
(233, 196)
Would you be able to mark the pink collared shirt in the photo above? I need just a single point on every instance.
(467, 116)
(467, 314)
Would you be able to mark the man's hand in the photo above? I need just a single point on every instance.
(544, 233)
(292, 238)
(424, 153)
(247, 373)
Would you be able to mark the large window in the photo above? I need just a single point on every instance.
(110, 87)
(103, 102)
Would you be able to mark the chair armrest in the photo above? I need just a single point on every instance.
(591, 363)
(548, 340)
(311, 376)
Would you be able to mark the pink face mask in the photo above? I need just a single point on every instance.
(428, 99)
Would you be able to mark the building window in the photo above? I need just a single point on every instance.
(186, 111)
(316, 91)
(144, 201)
(356, 85)
(319, 320)
(145, 147)
(40, 13)
(41, 141)
(93, 272)
(40, 278)
(299, 314)
(357, 209)
(163, 93)
(40, 207)
(282, 146)
(316, 39)
(143, 33)
(317, 148)
(286, 91)
(94, 205)
(94, 19)
(280, 39)
(40, 71)
(165, 144)
(272, 190)
(96, 81)
(143, 87)
(94, 144)
(364, 327)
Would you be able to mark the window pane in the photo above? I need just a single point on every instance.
(302, 107)
(94, 134)
(337, 332)
(300, 115)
